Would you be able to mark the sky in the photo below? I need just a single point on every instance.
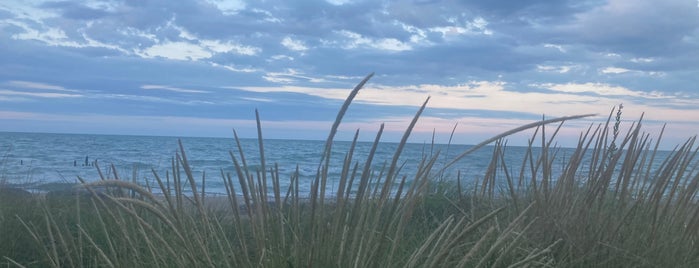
(201, 68)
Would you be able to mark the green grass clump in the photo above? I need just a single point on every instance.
(608, 208)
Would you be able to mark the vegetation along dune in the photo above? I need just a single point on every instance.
(615, 202)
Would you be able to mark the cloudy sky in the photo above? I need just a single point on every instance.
(200, 68)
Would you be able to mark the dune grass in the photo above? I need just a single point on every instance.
(617, 203)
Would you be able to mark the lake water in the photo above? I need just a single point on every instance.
(35, 159)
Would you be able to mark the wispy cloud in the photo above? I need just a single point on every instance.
(353, 40)
(604, 90)
(258, 99)
(557, 69)
(37, 85)
(173, 89)
(290, 76)
(486, 95)
(152, 99)
(204, 49)
(38, 94)
(614, 70)
(476, 26)
(642, 60)
(230, 7)
(55, 36)
(293, 44)
(558, 47)
(235, 68)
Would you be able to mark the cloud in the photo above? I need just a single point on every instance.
(236, 69)
(494, 96)
(131, 99)
(204, 49)
(625, 25)
(614, 70)
(49, 35)
(353, 40)
(292, 44)
(497, 59)
(22, 89)
(38, 94)
(642, 60)
(173, 89)
(228, 7)
(557, 69)
(558, 47)
(177, 51)
(168, 40)
(603, 90)
(258, 99)
(338, 2)
(55, 36)
(289, 76)
(541, 9)
(476, 26)
(37, 85)
(76, 11)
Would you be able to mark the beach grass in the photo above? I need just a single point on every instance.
(617, 203)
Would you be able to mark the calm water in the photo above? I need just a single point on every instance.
(33, 159)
